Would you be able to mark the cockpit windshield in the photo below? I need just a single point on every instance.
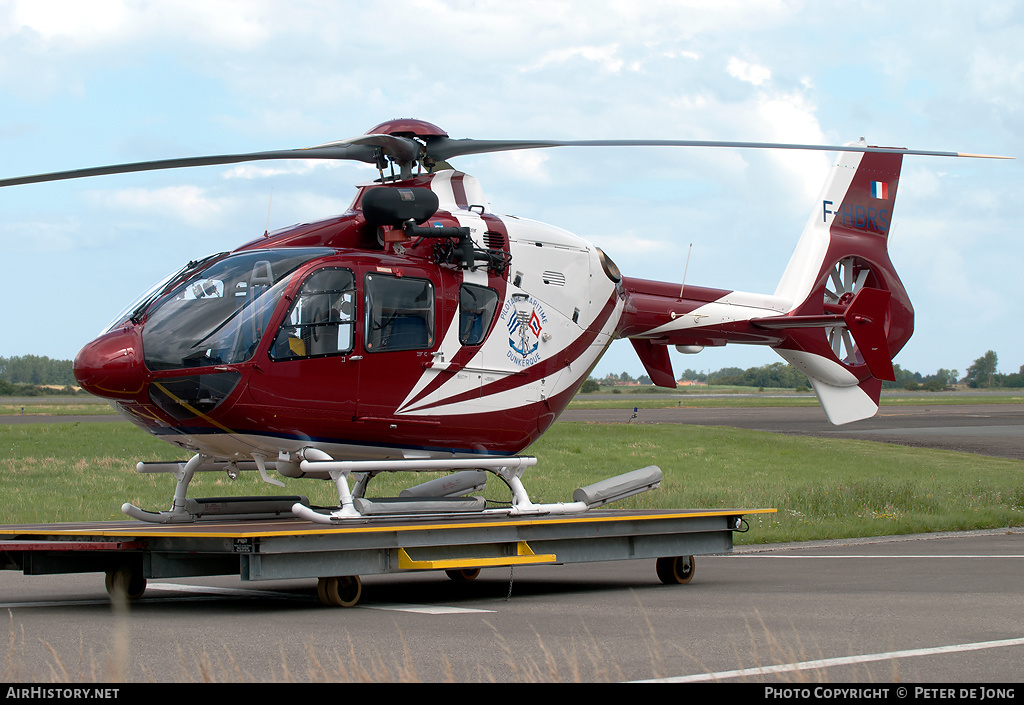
(219, 315)
(138, 306)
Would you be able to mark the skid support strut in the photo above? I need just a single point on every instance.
(178, 514)
(316, 462)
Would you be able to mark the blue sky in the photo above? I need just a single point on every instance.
(108, 81)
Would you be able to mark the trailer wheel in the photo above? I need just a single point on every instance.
(125, 583)
(677, 570)
(461, 575)
(343, 591)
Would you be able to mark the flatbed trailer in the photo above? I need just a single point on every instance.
(131, 552)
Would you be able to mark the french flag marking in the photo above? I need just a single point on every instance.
(880, 190)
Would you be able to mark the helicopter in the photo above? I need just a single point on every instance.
(419, 332)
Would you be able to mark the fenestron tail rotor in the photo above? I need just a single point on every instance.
(847, 278)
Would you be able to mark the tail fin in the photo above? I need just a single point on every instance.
(839, 314)
(852, 314)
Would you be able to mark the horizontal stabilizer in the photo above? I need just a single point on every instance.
(864, 318)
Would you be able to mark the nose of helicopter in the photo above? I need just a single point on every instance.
(111, 366)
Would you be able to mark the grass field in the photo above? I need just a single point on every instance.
(821, 488)
(84, 408)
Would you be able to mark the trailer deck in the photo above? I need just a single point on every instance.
(130, 552)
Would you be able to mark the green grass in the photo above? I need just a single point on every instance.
(821, 488)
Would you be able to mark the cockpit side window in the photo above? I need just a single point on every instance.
(322, 318)
(399, 313)
(477, 305)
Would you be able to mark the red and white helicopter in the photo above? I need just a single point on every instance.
(418, 331)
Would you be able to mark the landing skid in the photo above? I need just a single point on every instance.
(446, 496)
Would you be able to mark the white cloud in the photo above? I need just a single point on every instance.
(639, 247)
(88, 21)
(681, 54)
(257, 170)
(528, 165)
(999, 78)
(791, 118)
(51, 236)
(189, 204)
(747, 72)
(240, 23)
(607, 57)
(305, 207)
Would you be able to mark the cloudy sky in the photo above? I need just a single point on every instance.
(108, 81)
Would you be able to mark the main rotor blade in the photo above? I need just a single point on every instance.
(405, 151)
(444, 148)
(356, 152)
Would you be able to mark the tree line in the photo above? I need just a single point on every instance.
(32, 369)
(778, 375)
(31, 375)
(982, 374)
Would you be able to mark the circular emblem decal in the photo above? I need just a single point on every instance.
(524, 318)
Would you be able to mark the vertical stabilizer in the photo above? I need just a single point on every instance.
(851, 314)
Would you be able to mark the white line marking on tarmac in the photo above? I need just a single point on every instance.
(842, 661)
(427, 609)
(55, 603)
(210, 590)
(418, 609)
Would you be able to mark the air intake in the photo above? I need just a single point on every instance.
(553, 278)
(494, 241)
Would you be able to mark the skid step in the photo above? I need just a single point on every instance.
(248, 506)
(524, 556)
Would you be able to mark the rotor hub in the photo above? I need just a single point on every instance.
(408, 127)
